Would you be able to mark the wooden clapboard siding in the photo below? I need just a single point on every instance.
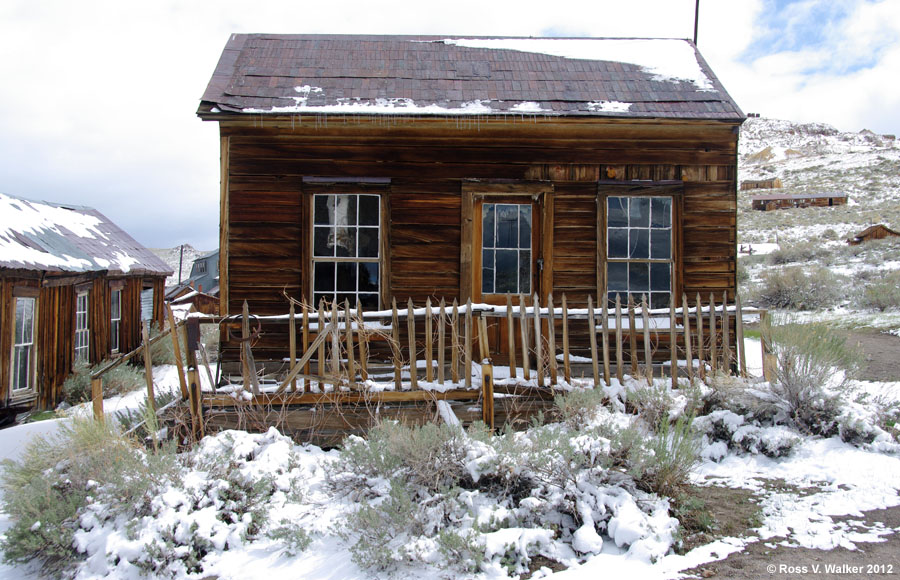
(265, 201)
(98, 319)
(6, 323)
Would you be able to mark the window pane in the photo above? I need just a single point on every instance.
(639, 212)
(368, 242)
(346, 297)
(324, 209)
(525, 272)
(617, 276)
(346, 276)
(617, 212)
(661, 244)
(487, 271)
(345, 242)
(369, 210)
(639, 244)
(322, 241)
(659, 300)
(369, 301)
(525, 227)
(507, 226)
(638, 277)
(507, 272)
(368, 277)
(345, 210)
(487, 225)
(323, 277)
(617, 243)
(661, 210)
(20, 320)
(660, 277)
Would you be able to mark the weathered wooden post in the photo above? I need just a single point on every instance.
(348, 337)
(523, 328)
(176, 349)
(726, 336)
(292, 342)
(713, 339)
(567, 367)
(632, 335)
(648, 355)
(620, 361)
(196, 396)
(148, 369)
(673, 341)
(97, 398)
(739, 331)
(429, 371)
(442, 321)
(306, 344)
(768, 358)
(511, 337)
(467, 364)
(551, 339)
(592, 335)
(538, 350)
(701, 355)
(411, 330)
(688, 353)
(320, 328)
(363, 341)
(395, 346)
(487, 394)
(604, 312)
(454, 343)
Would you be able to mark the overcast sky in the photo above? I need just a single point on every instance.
(97, 97)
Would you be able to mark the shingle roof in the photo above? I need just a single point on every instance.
(39, 235)
(426, 75)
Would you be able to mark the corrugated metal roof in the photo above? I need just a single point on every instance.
(426, 75)
(45, 236)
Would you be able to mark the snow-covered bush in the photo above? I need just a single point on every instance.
(723, 427)
(86, 462)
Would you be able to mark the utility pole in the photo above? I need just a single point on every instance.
(696, 20)
(181, 256)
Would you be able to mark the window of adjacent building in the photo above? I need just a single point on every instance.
(82, 332)
(346, 248)
(23, 344)
(147, 304)
(506, 248)
(115, 319)
(639, 248)
(199, 268)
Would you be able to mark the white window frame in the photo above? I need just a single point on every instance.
(82, 326)
(655, 297)
(115, 319)
(23, 345)
(351, 295)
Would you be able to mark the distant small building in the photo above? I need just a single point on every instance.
(774, 183)
(73, 286)
(202, 286)
(876, 232)
(784, 201)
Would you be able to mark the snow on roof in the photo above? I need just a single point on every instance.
(440, 76)
(667, 59)
(39, 235)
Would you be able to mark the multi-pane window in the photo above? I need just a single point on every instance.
(115, 319)
(82, 332)
(639, 248)
(23, 344)
(346, 248)
(506, 248)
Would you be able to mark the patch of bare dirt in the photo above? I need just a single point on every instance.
(881, 354)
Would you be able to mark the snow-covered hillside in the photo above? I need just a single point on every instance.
(171, 256)
(817, 158)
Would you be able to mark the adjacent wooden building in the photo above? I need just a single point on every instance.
(876, 232)
(71, 287)
(374, 168)
(788, 201)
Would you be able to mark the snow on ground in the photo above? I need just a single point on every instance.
(836, 479)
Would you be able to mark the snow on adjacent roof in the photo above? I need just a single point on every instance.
(39, 235)
(439, 76)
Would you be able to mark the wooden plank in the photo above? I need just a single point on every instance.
(454, 343)
(335, 346)
(411, 331)
(395, 346)
(523, 330)
(510, 337)
(442, 320)
(739, 331)
(487, 394)
(292, 340)
(467, 358)
(713, 339)
(688, 351)
(363, 336)
(632, 332)
(551, 339)
(342, 397)
(592, 334)
(305, 342)
(320, 325)
(726, 336)
(348, 337)
(148, 370)
(567, 368)
(604, 312)
(466, 276)
(673, 342)
(321, 337)
(245, 338)
(429, 370)
(648, 355)
(620, 362)
(97, 398)
(538, 335)
(176, 350)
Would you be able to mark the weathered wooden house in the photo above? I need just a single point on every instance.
(378, 167)
(876, 232)
(201, 289)
(71, 287)
(788, 201)
(773, 183)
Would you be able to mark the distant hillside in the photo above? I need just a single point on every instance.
(171, 257)
(817, 158)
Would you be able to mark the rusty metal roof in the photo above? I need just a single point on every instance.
(427, 75)
(56, 238)
(795, 196)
